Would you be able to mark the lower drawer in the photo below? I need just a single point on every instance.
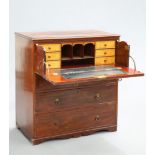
(61, 123)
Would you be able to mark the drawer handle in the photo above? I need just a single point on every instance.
(97, 117)
(105, 45)
(49, 56)
(57, 101)
(105, 53)
(49, 65)
(97, 96)
(49, 48)
(105, 60)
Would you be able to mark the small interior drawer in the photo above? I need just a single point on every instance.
(53, 64)
(105, 60)
(53, 56)
(104, 52)
(51, 47)
(104, 44)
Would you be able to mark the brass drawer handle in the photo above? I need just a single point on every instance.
(97, 117)
(57, 101)
(105, 45)
(49, 48)
(97, 96)
(105, 60)
(49, 56)
(105, 53)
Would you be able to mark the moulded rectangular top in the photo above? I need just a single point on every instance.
(67, 34)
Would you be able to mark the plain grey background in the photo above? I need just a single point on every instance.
(124, 17)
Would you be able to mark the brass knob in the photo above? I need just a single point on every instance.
(49, 48)
(97, 96)
(105, 44)
(105, 53)
(57, 101)
(49, 64)
(97, 117)
(49, 56)
(105, 60)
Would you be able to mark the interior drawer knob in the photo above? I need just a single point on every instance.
(57, 101)
(97, 117)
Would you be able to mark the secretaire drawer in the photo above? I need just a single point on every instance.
(53, 64)
(51, 47)
(104, 52)
(96, 96)
(57, 123)
(53, 56)
(105, 60)
(105, 44)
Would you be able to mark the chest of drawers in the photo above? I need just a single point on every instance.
(67, 83)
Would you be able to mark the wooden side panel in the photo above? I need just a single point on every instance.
(122, 54)
(39, 60)
(24, 85)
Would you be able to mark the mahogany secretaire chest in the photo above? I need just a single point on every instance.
(67, 82)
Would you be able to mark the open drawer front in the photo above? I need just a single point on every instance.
(62, 76)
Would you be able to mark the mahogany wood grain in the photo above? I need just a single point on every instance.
(58, 123)
(122, 54)
(63, 100)
(62, 35)
(24, 85)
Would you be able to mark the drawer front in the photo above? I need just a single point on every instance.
(105, 61)
(52, 47)
(58, 123)
(104, 44)
(95, 96)
(53, 64)
(53, 56)
(104, 52)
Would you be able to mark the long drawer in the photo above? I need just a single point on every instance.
(59, 100)
(61, 123)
